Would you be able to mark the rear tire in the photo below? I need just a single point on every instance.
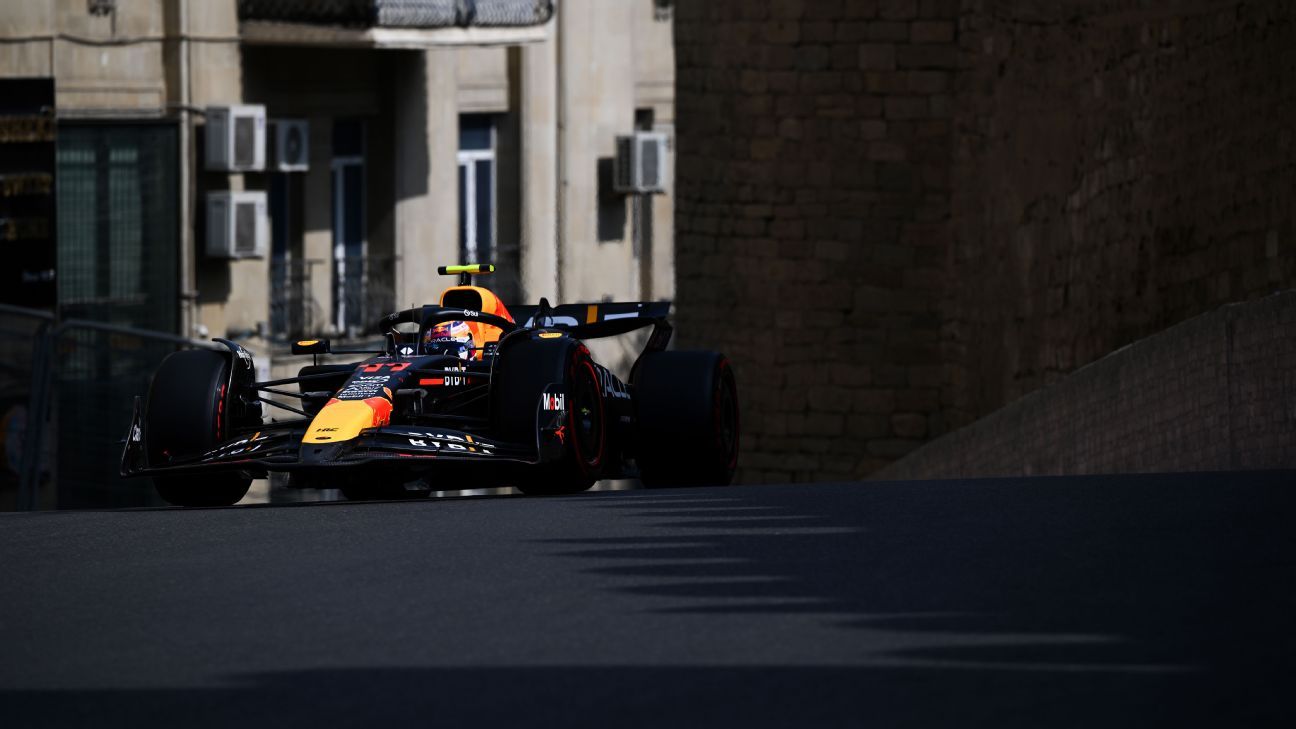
(187, 413)
(526, 367)
(687, 419)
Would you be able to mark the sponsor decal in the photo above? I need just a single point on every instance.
(363, 387)
(553, 321)
(612, 387)
(554, 401)
(550, 335)
(407, 351)
(243, 445)
(455, 380)
(450, 442)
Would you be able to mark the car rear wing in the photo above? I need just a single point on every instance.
(604, 319)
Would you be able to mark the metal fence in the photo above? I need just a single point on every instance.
(21, 331)
(66, 392)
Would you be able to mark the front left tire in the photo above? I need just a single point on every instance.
(186, 413)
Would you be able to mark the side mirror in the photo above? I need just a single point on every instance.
(311, 346)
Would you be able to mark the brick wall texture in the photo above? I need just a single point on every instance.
(1212, 393)
(897, 216)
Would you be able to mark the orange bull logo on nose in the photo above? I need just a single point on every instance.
(344, 419)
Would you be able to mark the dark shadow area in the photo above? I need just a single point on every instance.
(611, 205)
(667, 696)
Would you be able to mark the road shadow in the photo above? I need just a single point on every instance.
(668, 696)
(1098, 579)
(1068, 602)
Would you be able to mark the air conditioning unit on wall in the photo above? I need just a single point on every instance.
(291, 151)
(237, 225)
(642, 163)
(236, 138)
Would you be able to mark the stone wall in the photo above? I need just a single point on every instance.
(1116, 171)
(813, 162)
(1213, 393)
(898, 216)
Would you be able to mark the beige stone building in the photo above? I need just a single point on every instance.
(446, 134)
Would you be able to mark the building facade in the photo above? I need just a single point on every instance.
(399, 136)
(430, 138)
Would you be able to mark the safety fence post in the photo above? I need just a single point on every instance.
(37, 410)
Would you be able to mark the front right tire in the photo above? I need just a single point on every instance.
(526, 366)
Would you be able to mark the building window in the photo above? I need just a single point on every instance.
(477, 188)
(292, 309)
(348, 173)
(118, 234)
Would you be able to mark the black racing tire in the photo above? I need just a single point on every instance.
(525, 367)
(215, 489)
(186, 413)
(687, 422)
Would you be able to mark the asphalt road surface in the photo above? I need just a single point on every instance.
(1099, 601)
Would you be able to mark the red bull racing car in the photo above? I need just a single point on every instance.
(464, 394)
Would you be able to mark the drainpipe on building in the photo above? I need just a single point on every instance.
(561, 118)
(188, 294)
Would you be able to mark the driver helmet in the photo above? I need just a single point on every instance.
(449, 337)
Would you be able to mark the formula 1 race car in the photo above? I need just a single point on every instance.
(462, 396)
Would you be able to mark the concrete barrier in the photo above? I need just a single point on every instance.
(1215, 392)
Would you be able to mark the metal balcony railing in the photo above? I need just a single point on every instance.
(365, 291)
(294, 312)
(402, 13)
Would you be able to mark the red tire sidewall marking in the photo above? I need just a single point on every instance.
(220, 411)
(587, 467)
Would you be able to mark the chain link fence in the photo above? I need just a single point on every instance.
(66, 395)
(21, 332)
